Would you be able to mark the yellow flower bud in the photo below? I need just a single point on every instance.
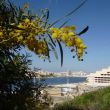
(1, 33)
(54, 35)
(69, 43)
(80, 51)
(20, 25)
(82, 46)
(26, 20)
(64, 37)
(73, 28)
(78, 40)
(71, 34)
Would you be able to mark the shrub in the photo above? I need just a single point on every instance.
(96, 100)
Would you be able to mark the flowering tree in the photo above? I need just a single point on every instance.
(20, 29)
(35, 33)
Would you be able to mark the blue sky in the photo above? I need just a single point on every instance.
(95, 14)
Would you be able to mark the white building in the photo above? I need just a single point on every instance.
(40, 73)
(99, 78)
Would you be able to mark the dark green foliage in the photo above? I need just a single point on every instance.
(15, 82)
(61, 52)
(84, 30)
(17, 91)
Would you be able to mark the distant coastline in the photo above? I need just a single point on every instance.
(47, 74)
(60, 76)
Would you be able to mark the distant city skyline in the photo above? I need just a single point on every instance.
(39, 73)
(95, 14)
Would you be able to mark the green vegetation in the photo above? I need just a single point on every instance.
(17, 91)
(21, 29)
(96, 100)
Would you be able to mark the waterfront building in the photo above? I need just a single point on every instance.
(99, 78)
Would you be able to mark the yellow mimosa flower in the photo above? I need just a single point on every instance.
(1, 33)
(80, 50)
(73, 28)
(71, 34)
(82, 46)
(78, 40)
(26, 20)
(54, 35)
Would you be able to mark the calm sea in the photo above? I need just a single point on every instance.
(64, 80)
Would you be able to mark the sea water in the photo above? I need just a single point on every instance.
(64, 80)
